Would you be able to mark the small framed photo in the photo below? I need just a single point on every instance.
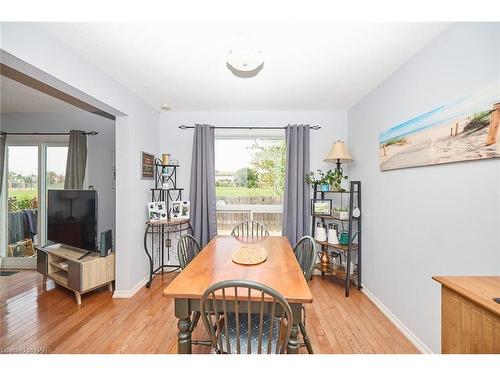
(147, 166)
(181, 210)
(157, 211)
(321, 207)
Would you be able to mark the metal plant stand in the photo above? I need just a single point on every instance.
(347, 253)
(158, 235)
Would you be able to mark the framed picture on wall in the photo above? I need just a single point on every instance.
(147, 166)
(321, 206)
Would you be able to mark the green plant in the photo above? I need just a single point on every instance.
(320, 180)
(335, 178)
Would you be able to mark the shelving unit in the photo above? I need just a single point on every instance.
(350, 252)
(158, 234)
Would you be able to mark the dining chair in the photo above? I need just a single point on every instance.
(235, 326)
(250, 229)
(187, 249)
(305, 252)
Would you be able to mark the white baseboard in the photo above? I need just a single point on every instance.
(398, 323)
(130, 292)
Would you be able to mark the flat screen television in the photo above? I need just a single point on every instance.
(72, 218)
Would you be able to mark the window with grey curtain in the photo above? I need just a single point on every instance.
(296, 202)
(202, 186)
(77, 160)
(2, 157)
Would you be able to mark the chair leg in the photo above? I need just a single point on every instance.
(307, 342)
(194, 320)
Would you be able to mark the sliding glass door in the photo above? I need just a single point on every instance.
(22, 205)
(31, 169)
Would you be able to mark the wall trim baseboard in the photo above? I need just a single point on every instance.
(398, 323)
(131, 292)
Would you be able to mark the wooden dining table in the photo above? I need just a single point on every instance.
(214, 263)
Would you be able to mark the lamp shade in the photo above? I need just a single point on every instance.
(338, 152)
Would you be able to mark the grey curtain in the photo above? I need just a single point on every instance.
(202, 187)
(77, 160)
(296, 203)
(2, 157)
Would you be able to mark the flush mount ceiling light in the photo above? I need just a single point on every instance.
(245, 58)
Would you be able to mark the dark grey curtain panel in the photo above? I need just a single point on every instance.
(202, 186)
(2, 158)
(296, 203)
(77, 160)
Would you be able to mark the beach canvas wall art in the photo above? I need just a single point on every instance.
(465, 129)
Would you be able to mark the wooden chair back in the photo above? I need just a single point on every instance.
(246, 317)
(305, 252)
(250, 229)
(187, 249)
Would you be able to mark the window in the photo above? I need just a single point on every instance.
(249, 180)
(32, 168)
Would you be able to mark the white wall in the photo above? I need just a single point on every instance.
(99, 149)
(178, 142)
(434, 220)
(32, 49)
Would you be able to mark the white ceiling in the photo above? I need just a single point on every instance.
(16, 97)
(307, 66)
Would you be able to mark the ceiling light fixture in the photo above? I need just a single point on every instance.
(245, 59)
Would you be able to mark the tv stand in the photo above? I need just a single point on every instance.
(80, 273)
(84, 255)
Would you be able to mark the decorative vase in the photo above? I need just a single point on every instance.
(325, 187)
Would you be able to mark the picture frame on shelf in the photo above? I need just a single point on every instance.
(321, 206)
(157, 211)
(180, 210)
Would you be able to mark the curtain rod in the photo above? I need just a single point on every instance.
(49, 133)
(315, 127)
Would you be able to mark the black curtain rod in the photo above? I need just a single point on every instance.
(37, 133)
(315, 127)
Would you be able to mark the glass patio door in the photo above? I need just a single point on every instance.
(23, 192)
(31, 169)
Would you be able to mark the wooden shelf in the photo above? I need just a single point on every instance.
(62, 265)
(167, 222)
(337, 272)
(60, 277)
(335, 191)
(339, 247)
(330, 217)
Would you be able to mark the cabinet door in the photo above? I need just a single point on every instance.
(41, 261)
(74, 275)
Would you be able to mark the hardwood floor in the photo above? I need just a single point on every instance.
(48, 320)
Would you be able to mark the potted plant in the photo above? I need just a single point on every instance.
(335, 178)
(322, 180)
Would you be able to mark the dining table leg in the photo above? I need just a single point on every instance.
(183, 313)
(293, 342)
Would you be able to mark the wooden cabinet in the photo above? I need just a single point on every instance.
(470, 319)
(61, 264)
